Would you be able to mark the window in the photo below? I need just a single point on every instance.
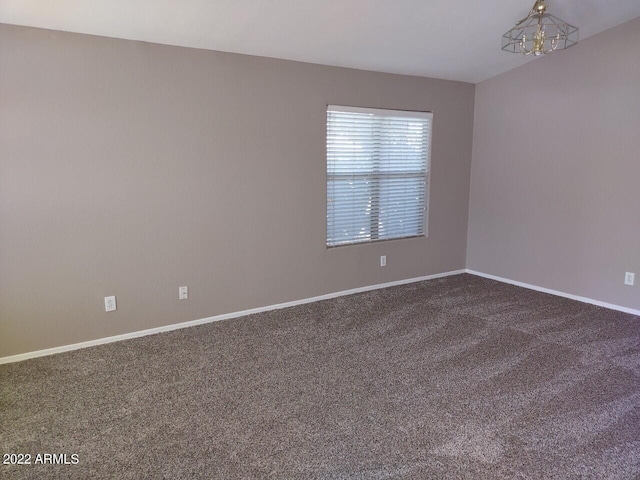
(377, 174)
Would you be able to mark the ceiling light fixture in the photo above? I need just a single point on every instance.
(539, 33)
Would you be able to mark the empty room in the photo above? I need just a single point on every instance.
(359, 239)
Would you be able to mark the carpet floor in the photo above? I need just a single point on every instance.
(460, 377)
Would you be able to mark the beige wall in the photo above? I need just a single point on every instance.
(555, 197)
(130, 169)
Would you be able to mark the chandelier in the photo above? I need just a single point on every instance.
(539, 33)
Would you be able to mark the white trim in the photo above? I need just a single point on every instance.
(167, 328)
(555, 292)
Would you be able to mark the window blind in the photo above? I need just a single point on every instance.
(377, 174)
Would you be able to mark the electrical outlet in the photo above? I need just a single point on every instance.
(183, 293)
(110, 304)
(383, 260)
(629, 278)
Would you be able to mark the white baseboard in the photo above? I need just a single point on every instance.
(555, 292)
(167, 328)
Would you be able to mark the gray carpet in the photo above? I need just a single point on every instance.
(460, 377)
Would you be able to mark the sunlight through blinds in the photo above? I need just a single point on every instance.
(377, 174)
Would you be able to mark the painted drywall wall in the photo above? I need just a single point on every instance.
(556, 163)
(131, 169)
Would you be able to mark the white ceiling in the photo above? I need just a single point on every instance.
(451, 39)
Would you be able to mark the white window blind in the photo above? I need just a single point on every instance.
(377, 174)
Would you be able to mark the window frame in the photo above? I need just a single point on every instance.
(422, 114)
